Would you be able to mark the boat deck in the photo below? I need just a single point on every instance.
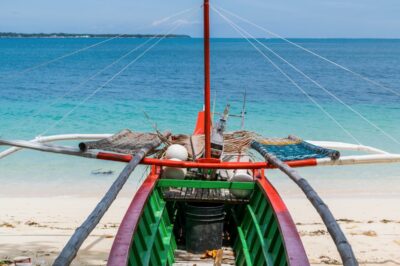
(184, 258)
(203, 195)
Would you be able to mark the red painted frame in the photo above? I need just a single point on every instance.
(295, 251)
(207, 106)
(200, 164)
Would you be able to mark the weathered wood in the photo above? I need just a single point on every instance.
(71, 248)
(343, 246)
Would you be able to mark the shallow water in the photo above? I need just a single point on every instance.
(167, 84)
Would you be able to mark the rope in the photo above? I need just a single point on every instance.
(288, 77)
(73, 89)
(107, 82)
(61, 57)
(163, 20)
(323, 88)
(311, 52)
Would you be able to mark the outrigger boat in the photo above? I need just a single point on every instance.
(207, 199)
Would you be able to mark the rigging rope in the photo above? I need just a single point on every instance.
(61, 57)
(288, 77)
(74, 88)
(105, 83)
(311, 52)
(321, 86)
(111, 79)
(91, 46)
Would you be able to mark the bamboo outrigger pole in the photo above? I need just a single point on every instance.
(69, 251)
(343, 246)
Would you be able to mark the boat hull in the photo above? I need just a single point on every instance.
(262, 230)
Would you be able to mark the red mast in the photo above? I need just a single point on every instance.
(207, 113)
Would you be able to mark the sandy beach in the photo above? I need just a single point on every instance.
(38, 227)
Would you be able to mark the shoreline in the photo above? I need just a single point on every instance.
(61, 35)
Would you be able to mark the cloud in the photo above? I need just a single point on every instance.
(179, 22)
(161, 21)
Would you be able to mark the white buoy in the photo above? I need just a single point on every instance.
(173, 172)
(241, 176)
(177, 151)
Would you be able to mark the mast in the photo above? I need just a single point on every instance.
(207, 113)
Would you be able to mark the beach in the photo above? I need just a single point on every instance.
(38, 227)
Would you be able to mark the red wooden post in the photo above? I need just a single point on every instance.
(207, 112)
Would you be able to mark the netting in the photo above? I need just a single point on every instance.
(285, 149)
(293, 149)
(126, 142)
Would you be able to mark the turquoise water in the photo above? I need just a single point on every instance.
(167, 84)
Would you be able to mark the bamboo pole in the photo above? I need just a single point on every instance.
(343, 246)
(71, 248)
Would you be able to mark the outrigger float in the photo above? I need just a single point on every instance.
(207, 199)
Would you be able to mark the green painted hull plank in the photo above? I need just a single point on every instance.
(257, 239)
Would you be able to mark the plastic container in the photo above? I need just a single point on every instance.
(204, 226)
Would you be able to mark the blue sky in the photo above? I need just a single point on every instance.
(290, 18)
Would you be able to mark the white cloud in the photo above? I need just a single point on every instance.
(161, 21)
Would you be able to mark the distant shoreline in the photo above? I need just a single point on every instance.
(85, 35)
(5, 35)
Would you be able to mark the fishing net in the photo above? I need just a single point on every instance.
(125, 141)
(234, 142)
(237, 142)
(293, 149)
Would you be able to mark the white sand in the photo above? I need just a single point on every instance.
(38, 224)
(372, 227)
(39, 227)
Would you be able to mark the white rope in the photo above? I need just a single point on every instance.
(60, 57)
(323, 88)
(311, 52)
(287, 77)
(73, 89)
(107, 82)
(163, 20)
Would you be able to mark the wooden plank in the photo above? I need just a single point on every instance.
(343, 246)
(75, 242)
(205, 184)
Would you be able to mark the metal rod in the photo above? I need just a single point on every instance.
(207, 111)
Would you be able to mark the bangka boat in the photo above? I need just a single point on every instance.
(207, 199)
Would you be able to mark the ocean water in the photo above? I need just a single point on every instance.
(166, 83)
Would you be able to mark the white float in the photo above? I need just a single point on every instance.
(176, 151)
(173, 172)
(241, 176)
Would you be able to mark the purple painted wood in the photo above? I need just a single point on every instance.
(119, 254)
(291, 239)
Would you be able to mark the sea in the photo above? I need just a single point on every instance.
(58, 85)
